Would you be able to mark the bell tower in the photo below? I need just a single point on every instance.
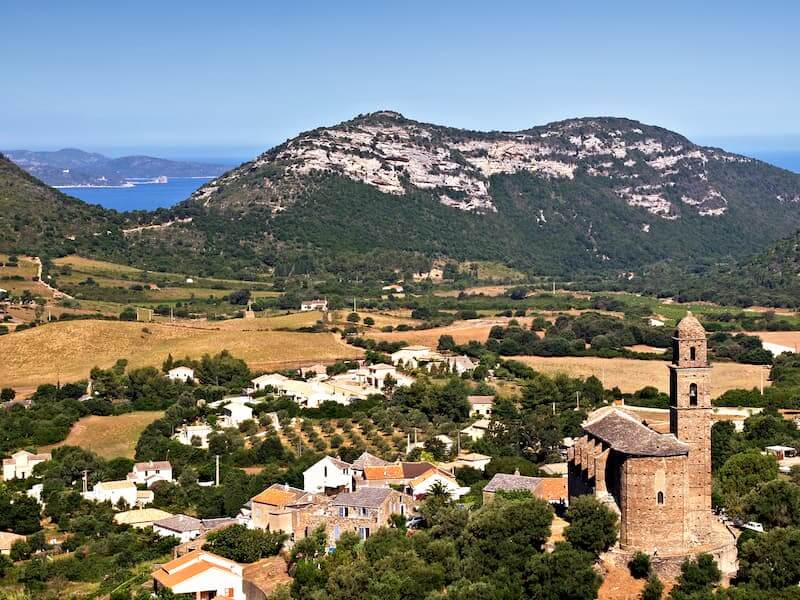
(690, 418)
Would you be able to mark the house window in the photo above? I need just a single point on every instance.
(692, 353)
(363, 532)
(343, 511)
(693, 394)
(336, 533)
(324, 471)
(660, 498)
(364, 512)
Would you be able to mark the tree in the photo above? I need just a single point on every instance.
(698, 575)
(244, 545)
(771, 560)
(369, 321)
(723, 434)
(640, 565)
(505, 533)
(353, 317)
(743, 473)
(239, 297)
(774, 504)
(592, 525)
(564, 574)
(128, 314)
(7, 394)
(653, 588)
(446, 343)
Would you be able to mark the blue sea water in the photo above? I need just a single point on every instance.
(786, 159)
(146, 196)
(163, 195)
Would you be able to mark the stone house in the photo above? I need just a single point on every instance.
(281, 507)
(551, 489)
(363, 512)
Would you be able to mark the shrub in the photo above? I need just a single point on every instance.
(640, 565)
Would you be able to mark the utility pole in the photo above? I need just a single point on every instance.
(354, 305)
(577, 400)
(216, 470)
(85, 481)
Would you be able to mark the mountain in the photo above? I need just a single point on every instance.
(72, 167)
(571, 197)
(36, 219)
(577, 198)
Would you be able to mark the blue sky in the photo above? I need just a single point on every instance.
(173, 75)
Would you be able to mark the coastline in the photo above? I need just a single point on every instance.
(130, 183)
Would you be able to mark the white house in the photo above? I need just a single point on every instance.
(447, 441)
(8, 539)
(183, 527)
(328, 475)
(653, 322)
(477, 430)
(414, 356)
(392, 290)
(435, 275)
(235, 413)
(202, 575)
(147, 473)
(460, 364)
(20, 465)
(481, 405)
(421, 486)
(374, 376)
(188, 433)
(184, 374)
(262, 382)
(315, 304)
(310, 394)
(114, 491)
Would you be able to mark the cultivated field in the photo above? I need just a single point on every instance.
(66, 351)
(109, 437)
(631, 375)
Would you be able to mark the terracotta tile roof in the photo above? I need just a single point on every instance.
(552, 488)
(278, 495)
(187, 566)
(150, 466)
(390, 471)
(480, 399)
(430, 473)
(627, 435)
(415, 469)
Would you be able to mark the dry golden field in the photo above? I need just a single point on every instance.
(784, 338)
(631, 375)
(462, 331)
(109, 437)
(68, 350)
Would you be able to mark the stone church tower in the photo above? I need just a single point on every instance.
(690, 419)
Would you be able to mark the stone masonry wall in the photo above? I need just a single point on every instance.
(644, 523)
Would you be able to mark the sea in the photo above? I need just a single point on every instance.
(141, 196)
(149, 196)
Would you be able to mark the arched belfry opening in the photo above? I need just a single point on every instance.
(660, 498)
(693, 394)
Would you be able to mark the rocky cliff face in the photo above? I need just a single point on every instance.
(646, 167)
